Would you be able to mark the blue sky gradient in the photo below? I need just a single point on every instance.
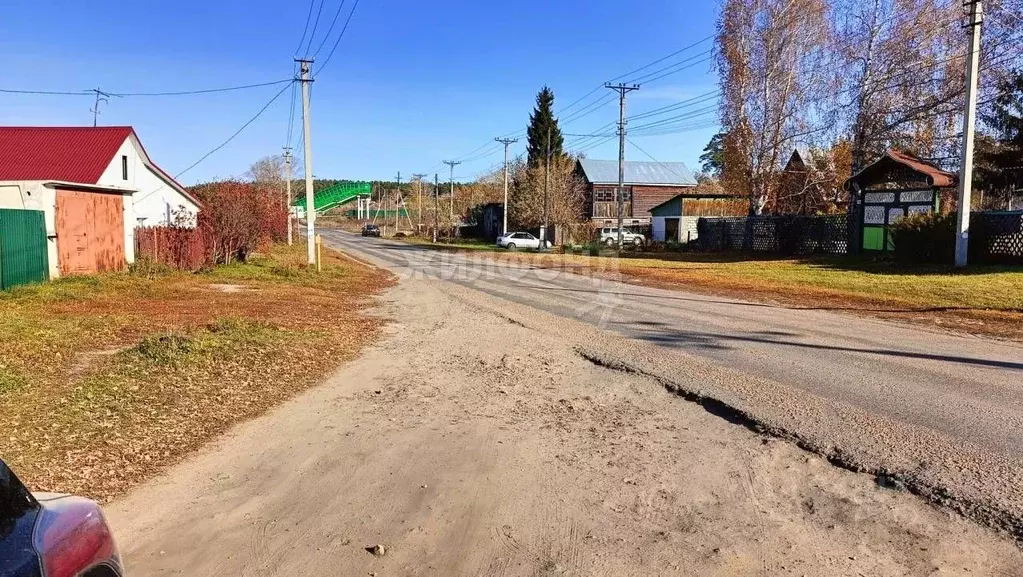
(412, 82)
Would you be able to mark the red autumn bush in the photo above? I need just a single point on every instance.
(179, 247)
(240, 217)
(236, 219)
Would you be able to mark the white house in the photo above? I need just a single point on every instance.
(94, 185)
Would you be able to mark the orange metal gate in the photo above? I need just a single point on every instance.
(90, 232)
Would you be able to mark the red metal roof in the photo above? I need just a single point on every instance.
(71, 153)
(68, 153)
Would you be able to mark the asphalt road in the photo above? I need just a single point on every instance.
(964, 388)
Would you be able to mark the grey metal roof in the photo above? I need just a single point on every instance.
(637, 172)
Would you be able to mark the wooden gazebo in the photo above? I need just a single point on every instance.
(883, 192)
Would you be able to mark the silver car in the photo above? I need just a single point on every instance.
(609, 236)
(516, 240)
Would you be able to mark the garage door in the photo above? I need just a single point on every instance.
(90, 232)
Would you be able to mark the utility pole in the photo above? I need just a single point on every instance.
(100, 97)
(397, 203)
(546, 187)
(622, 90)
(969, 125)
(287, 184)
(310, 207)
(436, 205)
(419, 199)
(452, 164)
(506, 142)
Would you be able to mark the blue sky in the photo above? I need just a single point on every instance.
(412, 82)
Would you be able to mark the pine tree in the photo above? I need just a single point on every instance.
(540, 122)
(999, 155)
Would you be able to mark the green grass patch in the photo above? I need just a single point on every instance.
(11, 379)
(220, 337)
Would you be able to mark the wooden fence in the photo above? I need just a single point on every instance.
(177, 247)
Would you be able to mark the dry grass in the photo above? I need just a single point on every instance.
(985, 300)
(106, 380)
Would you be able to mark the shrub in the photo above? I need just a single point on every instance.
(164, 349)
(925, 238)
(240, 218)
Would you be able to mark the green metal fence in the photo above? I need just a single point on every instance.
(23, 256)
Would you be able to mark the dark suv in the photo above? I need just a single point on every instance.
(49, 535)
(370, 230)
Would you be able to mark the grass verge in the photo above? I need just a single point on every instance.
(106, 380)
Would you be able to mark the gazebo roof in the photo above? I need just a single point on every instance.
(880, 168)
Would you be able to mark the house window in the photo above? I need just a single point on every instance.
(608, 194)
(604, 195)
(124, 167)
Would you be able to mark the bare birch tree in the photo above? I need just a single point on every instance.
(772, 65)
(268, 174)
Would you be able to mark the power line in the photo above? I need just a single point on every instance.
(305, 30)
(482, 155)
(337, 13)
(589, 109)
(706, 97)
(651, 157)
(339, 37)
(173, 93)
(704, 57)
(600, 86)
(685, 116)
(236, 133)
(47, 92)
(680, 128)
(316, 23)
(662, 59)
(291, 115)
(204, 90)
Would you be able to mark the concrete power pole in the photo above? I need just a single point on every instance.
(287, 185)
(419, 199)
(506, 142)
(397, 203)
(310, 207)
(546, 188)
(452, 164)
(436, 205)
(622, 90)
(969, 125)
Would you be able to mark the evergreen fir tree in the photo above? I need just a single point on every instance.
(540, 121)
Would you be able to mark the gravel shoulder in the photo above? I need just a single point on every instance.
(482, 437)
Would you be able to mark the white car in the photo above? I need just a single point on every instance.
(514, 240)
(609, 236)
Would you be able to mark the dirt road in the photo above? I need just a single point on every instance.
(484, 437)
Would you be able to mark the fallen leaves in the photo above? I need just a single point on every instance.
(178, 366)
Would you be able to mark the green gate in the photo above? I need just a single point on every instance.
(882, 208)
(23, 254)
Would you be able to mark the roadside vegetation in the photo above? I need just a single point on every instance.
(106, 380)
